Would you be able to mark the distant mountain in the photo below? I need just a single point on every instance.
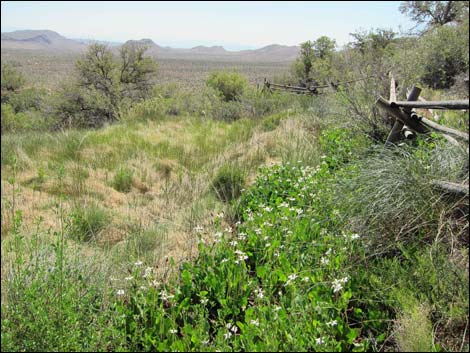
(270, 53)
(39, 40)
(90, 41)
(52, 41)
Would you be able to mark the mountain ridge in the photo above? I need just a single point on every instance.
(47, 40)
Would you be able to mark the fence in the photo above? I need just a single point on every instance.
(407, 123)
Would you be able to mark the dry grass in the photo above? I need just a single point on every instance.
(173, 163)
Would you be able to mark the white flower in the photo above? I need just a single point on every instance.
(324, 261)
(231, 327)
(255, 322)
(337, 284)
(267, 245)
(233, 243)
(319, 340)
(198, 229)
(259, 293)
(164, 295)
(354, 236)
(258, 231)
(305, 279)
(227, 335)
(277, 308)
(204, 301)
(143, 287)
(290, 278)
(332, 323)
(268, 209)
(147, 272)
(224, 260)
(138, 263)
(120, 292)
(130, 278)
(173, 331)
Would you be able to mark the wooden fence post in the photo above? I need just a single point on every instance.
(398, 126)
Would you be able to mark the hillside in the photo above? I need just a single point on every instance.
(39, 40)
(45, 40)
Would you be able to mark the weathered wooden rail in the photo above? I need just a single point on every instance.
(407, 123)
(312, 89)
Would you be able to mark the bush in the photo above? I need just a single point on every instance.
(444, 55)
(230, 85)
(227, 111)
(122, 180)
(79, 107)
(86, 222)
(27, 99)
(228, 183)
(12, 122)
(12, 80)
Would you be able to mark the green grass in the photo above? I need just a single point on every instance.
(86, 222)
(339, 246)
(122, 180)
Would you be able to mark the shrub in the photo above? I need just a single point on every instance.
(86, 222)
(122, 180)
(11, 80)
(23, 121)
(27, 99)
(444, 54)
(227, 111)
(228, 183)
(230, 85)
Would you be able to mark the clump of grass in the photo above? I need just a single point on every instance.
(414, 330)
(86, 222)
(390, 196)
(122, 180)
(228, 183)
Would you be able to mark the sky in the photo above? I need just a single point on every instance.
(235, 25)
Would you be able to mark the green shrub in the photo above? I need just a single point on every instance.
(11, 81)
(27, 99)
(12, 122)
(271, 122)
(122, 180)
(228, 183)
(443, 55)
(227, 111)
(86, 222)
(230, 85)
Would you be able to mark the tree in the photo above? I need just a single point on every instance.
(435, 13)
(97, 70)
(315, 59)
(323, 47)
(103, 84)
(135, 72)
